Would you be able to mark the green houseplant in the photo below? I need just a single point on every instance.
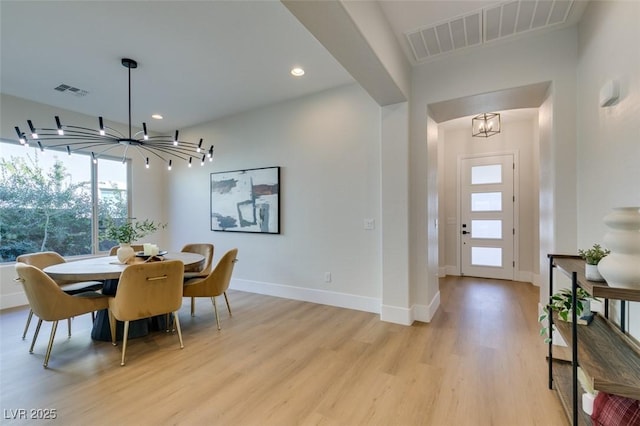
(130, 231)
(592, 257)
(561, 303)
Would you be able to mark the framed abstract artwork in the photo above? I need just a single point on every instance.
(246, 201)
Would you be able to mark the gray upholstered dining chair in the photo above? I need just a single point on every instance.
(47, 258)
(214, 284)
(50, 303)
(146, 290)
(198, 271)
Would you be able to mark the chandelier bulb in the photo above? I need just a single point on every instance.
(144, 130)
(147, 163)
(102, 132)
(190, 158)
(59, 126)
(34, 134)
(21, 136)
(169, 167)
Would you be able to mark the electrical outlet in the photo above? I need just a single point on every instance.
(327, 277)
(369, 224)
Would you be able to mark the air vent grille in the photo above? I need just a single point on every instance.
(65, 88)
(489, 24)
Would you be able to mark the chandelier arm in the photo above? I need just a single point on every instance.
(171, 141)
(78, 130)
(140, 148)
(165, 151)
(83, 145)
(170, 147)
(70, 134)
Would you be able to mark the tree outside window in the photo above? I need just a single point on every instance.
(50, 206)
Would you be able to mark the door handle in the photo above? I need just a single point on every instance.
(465, 232)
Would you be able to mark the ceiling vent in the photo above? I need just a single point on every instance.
(485, 25)
(71, 90)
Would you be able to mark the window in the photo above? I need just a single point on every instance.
(49, 200)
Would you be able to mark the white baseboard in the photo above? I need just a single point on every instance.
(396, 315)
(12, 300)
(324, 297)
(425, 313)
(442, 271)
(452, 270)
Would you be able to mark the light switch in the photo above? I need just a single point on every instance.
(369, 224)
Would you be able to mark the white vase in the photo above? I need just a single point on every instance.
(125, 252)
(621, 268)
(591, 273)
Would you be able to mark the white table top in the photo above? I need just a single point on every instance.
(104, 268)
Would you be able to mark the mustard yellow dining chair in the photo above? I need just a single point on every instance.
(50, 303)
(136, 247)
(146, 290)
(48, 258)
(214, 284)
(198, 271)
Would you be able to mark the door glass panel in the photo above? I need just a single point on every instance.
(486, 174)
(491, 229)
(486, 256)
(486, 202)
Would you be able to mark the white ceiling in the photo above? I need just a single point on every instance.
(198, 60)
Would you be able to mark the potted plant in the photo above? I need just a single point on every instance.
(561, 303)
(128, 232)
(593, 256)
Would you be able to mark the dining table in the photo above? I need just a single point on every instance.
(108, 270)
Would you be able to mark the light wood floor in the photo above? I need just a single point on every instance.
(282, 362)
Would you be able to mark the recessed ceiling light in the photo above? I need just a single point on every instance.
(157, 116)
(297, 72)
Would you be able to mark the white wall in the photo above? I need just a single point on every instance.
(549, 57)
(328, 148)
(608, 138)
(518, 136)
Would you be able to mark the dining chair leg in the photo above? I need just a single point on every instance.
(193, 306)
(54, 326)
(69, 326)
(226, 299)
(35, 336)
(26, 327)
(177, 321)
(112, 328)
(93, 316)
(215, 308)
(124, 341)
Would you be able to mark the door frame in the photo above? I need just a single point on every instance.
(516, 205)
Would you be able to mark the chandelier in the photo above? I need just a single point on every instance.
(485, 125)
(102, 139)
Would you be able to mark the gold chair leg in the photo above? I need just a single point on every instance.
(54, 326)
(124, 341)
(226, 299)
(215, 308)
(69, 326)
(177, 321)
(35, 336)
(26, 327)
(112, 327)
(193, 306)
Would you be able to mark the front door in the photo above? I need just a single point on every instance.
(486, 212)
